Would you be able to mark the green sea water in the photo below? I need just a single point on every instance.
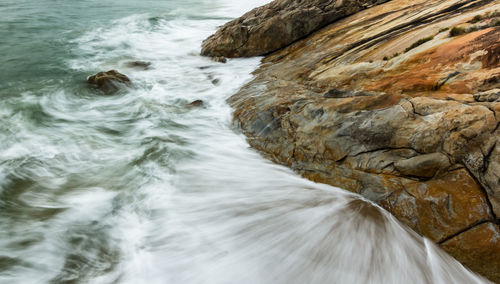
(37, 37)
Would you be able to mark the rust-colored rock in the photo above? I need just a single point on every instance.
(478, 248)
(440, 207)
(108, 82)
(414, 130)
(277, 24)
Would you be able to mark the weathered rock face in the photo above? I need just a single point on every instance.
(108, 81)
(391, 104)
(278, 24)
(478, 249)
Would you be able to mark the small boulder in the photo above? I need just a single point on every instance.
(196, 103)
(108, 82)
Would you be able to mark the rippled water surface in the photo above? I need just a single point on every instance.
(138, 188)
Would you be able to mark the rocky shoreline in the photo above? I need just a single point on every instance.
(397, 101)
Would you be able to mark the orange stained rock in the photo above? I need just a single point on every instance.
(473, 57)
(448, 204)
(477, 248)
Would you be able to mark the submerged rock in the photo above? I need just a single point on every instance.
(277, 24)
(108, 82)
(216, 82)
(145, 65)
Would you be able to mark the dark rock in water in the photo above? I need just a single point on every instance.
(278, 24)
(145, 65)
(197, 103)
(215, 81)
(108, 82)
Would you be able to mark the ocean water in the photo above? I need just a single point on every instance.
(138, 188)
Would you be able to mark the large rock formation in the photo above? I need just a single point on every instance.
(399, 103)
(278, 24)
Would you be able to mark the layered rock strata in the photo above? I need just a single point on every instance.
(399, 103)
(278, 24)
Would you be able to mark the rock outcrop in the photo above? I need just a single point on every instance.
(398, 103)
(278, 24)
(108, 82)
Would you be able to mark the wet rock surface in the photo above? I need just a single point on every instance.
(478, 249)
(108, 82)
(414, 130)
(277, 24)
(195, 103)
